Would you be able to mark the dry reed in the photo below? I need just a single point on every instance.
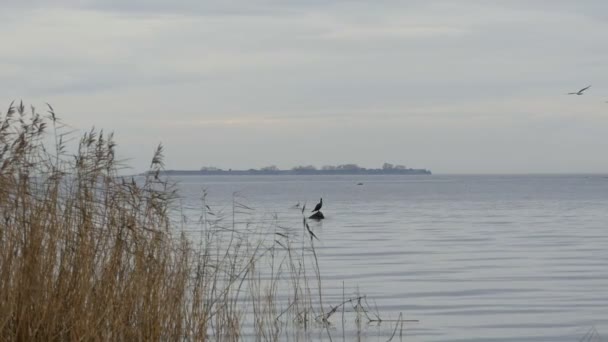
(88, 255)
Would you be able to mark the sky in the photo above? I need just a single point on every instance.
(471, 86)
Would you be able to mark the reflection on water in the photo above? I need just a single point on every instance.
(474, 258)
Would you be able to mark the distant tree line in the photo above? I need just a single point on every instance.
(340, 169)
(305, 168)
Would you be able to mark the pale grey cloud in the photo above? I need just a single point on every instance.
(456, 86)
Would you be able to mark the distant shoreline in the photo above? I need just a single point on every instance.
(295, 172)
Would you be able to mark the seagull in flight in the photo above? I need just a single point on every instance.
(580, 92)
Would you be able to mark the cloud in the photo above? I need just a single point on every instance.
(414, 73)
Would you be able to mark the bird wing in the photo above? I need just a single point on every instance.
(582, 90)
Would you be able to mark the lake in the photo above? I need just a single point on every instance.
(473, 258)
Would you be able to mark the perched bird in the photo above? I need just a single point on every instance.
(580, 92)
(318, 206)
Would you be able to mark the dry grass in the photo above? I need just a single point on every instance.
(88, 255)
(85, 255)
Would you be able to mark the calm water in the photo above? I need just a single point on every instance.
(474, 258)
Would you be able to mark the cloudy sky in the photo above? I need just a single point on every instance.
(453, 86)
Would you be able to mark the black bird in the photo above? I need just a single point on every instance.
(580, 92)
(318, 206)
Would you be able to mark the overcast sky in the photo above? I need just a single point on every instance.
(453, 86)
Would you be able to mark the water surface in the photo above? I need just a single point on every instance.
(474, 258)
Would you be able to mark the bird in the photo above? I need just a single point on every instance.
(580, 92)
(318, 206)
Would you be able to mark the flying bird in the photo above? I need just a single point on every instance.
(318, 206)
(580, 92)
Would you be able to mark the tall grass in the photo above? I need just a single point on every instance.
(88, 255)
(85, 254)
